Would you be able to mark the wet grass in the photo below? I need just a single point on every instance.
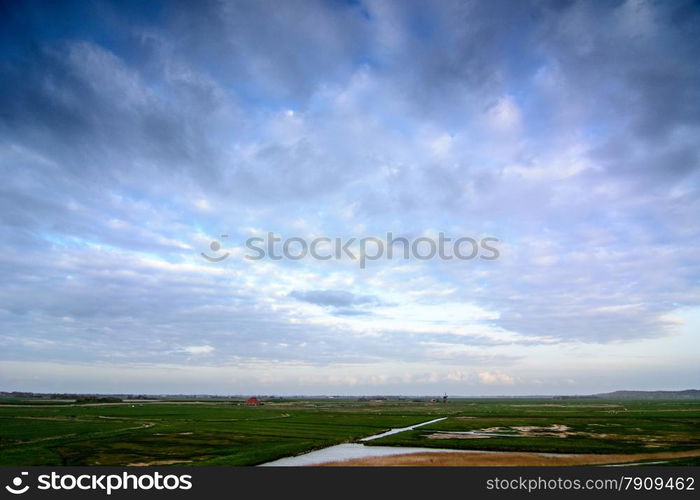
(222, 433)
(590, 427)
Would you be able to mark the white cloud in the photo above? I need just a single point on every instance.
(495, 378)
(197, 349)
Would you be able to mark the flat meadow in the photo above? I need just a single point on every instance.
(230, 433)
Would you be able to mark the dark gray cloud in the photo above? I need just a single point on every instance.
(334, 298)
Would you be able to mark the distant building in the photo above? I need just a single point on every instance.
(252, 401)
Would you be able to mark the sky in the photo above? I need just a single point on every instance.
(135, 134)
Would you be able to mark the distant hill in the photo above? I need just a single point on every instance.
(686, 394)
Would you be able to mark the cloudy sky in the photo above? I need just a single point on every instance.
(133, 134)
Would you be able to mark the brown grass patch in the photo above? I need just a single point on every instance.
(441, 459)
(158, 462)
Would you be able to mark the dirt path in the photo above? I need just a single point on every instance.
(505, 458)
(144, 425)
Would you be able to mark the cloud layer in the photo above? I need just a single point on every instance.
(133, 135)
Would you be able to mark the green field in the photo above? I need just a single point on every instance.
(228, 433)
(580, 427)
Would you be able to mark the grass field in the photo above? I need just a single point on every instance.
(580, 427)
(226, 433)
